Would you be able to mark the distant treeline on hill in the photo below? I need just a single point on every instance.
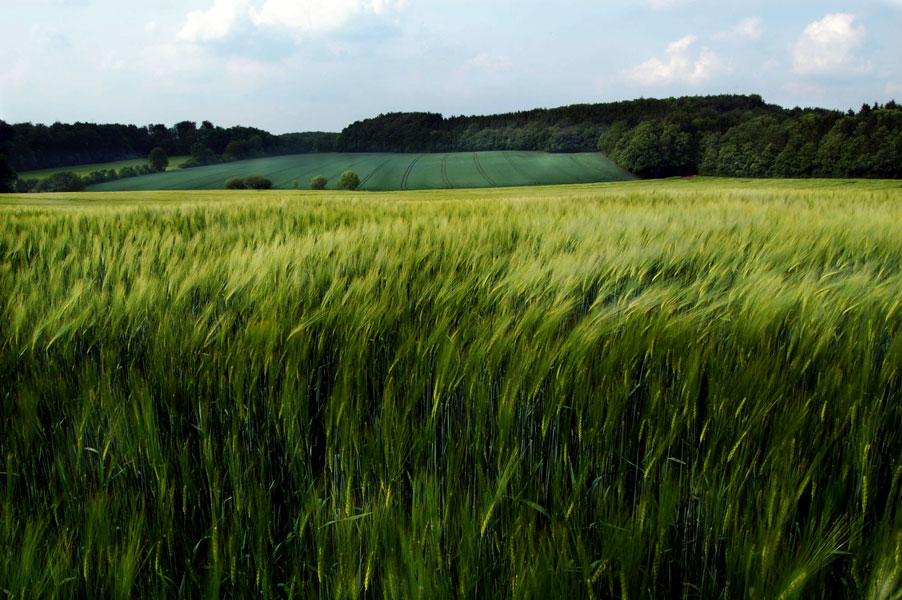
(31, 147)
(728, 135)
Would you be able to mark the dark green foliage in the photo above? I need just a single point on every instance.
(318, 183)
(257, 182)
(348, 181)
(201, 155)
(243, 149)
(251, 182)
(104, 175)
(715, 135)
(33, 147)
(813, 144)
(573, 128)
(655, 149)
(65, 181)
(158, 159)
(26, 185)
(8, 176)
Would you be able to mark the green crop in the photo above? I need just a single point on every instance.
(671, 389)
(386, 171)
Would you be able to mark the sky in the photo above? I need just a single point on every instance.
(313, 65)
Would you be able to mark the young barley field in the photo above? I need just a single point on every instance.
(678, 389)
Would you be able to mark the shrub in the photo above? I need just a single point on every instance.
(318, 183)
(257, 182)
(348, 181)
(24, 186)
(294, 184)
(100, 176)
(64, 181)
(127, 172)
(235, 183)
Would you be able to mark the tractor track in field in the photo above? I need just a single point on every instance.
(481, 171)
(519, 169)
(445, 172)
(374, 171)
(407, 172)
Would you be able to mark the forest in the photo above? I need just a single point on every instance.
(729, 135)
(35, 146)
(725, 135)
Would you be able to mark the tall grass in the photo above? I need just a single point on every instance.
(635, 391)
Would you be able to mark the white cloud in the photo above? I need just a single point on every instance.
(804, 90)
(214, 24)
(747, 29)
(49, 36)
(681, 65)
(894, 89)
(150, 27)
(303, 16)
(489, 62)
(827, 46)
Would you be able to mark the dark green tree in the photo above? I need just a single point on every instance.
(348, 181)
(655, 150)
(318, 183)
(8, 176)
(242, 149)
(201, 154)
(158, 159)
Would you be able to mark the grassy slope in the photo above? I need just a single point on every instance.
(394, 171)
(647, 389)
(82, 170)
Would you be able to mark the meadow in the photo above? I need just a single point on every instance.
(85, 170)
(667, 389)
(392, 171)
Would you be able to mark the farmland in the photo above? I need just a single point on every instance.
(84, 170)
(392, 171)
(679, 388)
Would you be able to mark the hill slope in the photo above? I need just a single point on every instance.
(393, 171)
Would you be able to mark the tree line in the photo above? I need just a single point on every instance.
(725, 135)
(35, 146)
(728, 135)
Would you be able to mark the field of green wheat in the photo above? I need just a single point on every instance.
(384, 171)
(671, 389)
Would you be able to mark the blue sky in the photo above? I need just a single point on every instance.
(300, 65)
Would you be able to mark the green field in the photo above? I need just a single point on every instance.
(385, 171)
(668, 389)
(83, 170)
